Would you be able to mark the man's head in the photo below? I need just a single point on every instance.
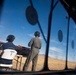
(10, 38)
(37, 33)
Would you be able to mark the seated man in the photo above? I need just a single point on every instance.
(8, 45)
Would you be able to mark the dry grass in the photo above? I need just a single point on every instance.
(54, 64)
(18, 66)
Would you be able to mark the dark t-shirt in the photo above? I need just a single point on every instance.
(8, 45)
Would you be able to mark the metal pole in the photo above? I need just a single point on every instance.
(66, 67)
(48, 37)
(42, 32)
(39, 24)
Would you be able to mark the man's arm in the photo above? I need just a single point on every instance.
(30, 43)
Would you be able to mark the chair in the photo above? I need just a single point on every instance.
(19, 57)
(8, 55)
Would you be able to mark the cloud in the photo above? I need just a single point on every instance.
(55, 49)
(54, 41)
(1, 26)
(52, 55)
(2, 41)
(23, 27)
(32, 35)
(57, 42)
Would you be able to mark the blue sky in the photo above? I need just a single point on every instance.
(14, 21)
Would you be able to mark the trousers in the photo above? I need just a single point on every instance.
(33, 56)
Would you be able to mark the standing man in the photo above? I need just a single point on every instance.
(35, 44)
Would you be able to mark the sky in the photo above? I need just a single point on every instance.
(14, 21)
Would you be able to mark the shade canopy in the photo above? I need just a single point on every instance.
(70, 6)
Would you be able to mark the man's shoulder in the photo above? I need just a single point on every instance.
(4, 43)
(7, 43)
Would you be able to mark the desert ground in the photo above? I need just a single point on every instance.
(53, 64)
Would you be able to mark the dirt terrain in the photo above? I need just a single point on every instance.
(53, 64)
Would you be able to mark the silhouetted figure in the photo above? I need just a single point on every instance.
(35, 44)
(8, 45)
